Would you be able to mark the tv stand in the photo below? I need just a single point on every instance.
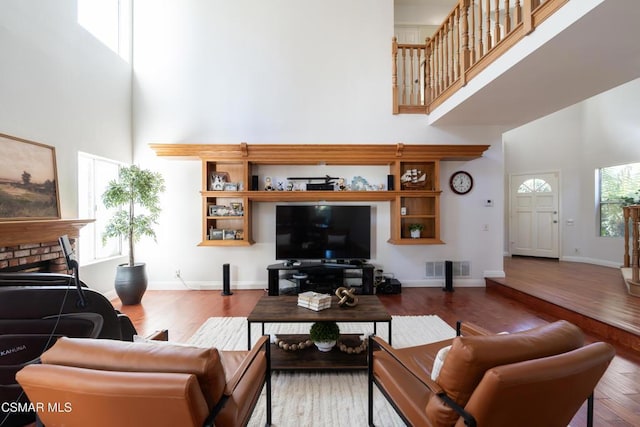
(323, 277)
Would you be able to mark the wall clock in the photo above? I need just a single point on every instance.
(461, 182)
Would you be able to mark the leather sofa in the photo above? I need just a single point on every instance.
(539, 377)
(109, 383)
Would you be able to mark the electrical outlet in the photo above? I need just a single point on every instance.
(177, 273)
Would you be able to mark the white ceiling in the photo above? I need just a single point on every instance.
(598, 52)
(429, 12)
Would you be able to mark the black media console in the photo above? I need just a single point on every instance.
(321, 277)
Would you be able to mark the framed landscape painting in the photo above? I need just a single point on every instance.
(28, 180)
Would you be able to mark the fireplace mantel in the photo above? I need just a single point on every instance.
(13, 233)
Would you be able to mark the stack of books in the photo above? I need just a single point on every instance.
(314, 301)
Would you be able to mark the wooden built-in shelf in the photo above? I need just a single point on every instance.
(422, 203)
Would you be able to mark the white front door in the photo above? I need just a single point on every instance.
(534, 215)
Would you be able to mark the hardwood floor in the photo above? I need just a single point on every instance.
(617, 394)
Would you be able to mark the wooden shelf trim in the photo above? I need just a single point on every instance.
(238, 161)
(13, 233)
(300, 154)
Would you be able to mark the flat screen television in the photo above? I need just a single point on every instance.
(323, 232)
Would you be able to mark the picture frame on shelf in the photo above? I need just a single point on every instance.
(217, 181)
(239, 234)
(229, 234)
(237, 209)
(230, 186)
(216, 234)
(219, 210)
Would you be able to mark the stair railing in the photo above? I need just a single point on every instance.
(473, 36)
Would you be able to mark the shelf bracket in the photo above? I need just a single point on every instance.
(244, 148)
(399, 148)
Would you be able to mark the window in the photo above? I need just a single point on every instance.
(618, 186)
(535, 185)
(109, 21)
(94, 173)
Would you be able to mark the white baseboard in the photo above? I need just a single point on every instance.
(603, 263)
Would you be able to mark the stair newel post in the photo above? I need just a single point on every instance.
(394, 74)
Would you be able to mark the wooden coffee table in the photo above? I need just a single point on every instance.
(285, 309)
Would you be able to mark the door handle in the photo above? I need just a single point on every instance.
(555, 221)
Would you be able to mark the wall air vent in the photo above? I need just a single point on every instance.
(435, 269)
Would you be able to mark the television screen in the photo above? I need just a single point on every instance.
(323, 232)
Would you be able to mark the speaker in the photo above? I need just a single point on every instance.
(390, 185)
(226, 280)
(448, 276)
(389, 287)
(254, 183)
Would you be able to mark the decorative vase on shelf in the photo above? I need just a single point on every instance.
(325, 346)
(324, 335)
(415, 230)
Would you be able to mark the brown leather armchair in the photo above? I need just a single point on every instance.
(533, 378)
(95, 382)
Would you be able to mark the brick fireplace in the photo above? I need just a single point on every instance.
(41, 256)
(33, 245)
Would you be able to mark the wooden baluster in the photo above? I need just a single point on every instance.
(394, 74)
(464, 60)
(472, 47)
(626, 212)
(404, 75)
(411, 91)
(438, 73)
(496, 25)
(507, 18)
(517, 10)
(449, 51)
(440, 56)
(480, 35)
(428, 95)
(488, 7)
(457, 48)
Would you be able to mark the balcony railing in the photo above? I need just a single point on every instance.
(475, 34)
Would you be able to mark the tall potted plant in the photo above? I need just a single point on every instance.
(135, 188)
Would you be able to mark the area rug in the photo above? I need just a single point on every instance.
(322, 398)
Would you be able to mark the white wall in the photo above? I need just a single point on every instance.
(61, 87)
(601, 131)
(288, 72)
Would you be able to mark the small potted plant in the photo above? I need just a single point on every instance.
(324, 335)
(415, 230)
